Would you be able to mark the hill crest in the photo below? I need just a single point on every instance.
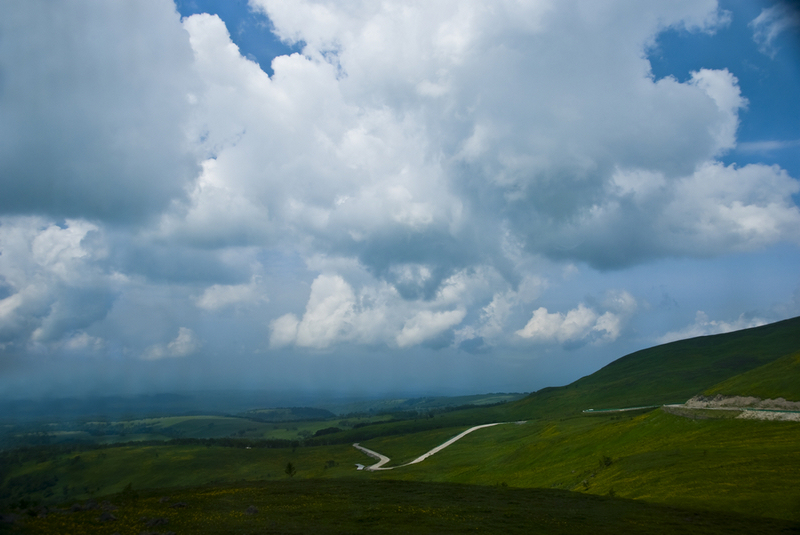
(670, 373)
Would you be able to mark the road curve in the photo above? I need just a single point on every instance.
(382, 459)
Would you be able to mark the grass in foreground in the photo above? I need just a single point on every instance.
(751, 467)
(352, 506)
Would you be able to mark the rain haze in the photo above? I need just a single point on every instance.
(379, 198)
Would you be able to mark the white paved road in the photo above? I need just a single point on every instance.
(382, 459)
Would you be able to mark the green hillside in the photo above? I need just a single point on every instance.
(723, 467)
(777, 379)
(669, 373)
(743, 466)
(747, 466)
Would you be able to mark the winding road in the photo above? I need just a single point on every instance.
(382, 459)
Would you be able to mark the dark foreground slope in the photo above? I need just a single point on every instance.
(388, 507)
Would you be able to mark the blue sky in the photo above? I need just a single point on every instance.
(374, 199)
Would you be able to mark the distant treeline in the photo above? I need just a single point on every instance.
(410, 414)
(45, 452)
(287, 414)
(42, 446)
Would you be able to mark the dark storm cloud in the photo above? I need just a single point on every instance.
(178, 264)
(94, 99)
(74, 310)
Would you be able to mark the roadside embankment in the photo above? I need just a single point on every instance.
(744, 407)
(741, 402)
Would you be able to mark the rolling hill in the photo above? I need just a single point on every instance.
(668, 373)
(674, 372)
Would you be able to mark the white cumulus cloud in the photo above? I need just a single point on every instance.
(380, 139)
(375, 314)
(579, 324)
(219, 296)
(185, 344)
(418, 174)
(55, 276)
(333, 314)
(426, 324)
(704, 326)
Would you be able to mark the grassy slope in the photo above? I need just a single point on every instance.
(669, 373)
(406, 448)
(780, 378)
(747, 466)
(104, 471)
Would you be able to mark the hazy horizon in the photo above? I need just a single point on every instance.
(368, 199)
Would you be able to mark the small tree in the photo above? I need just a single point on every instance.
(290, 469)
(128, 494)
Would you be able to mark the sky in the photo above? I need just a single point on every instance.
(387, 198)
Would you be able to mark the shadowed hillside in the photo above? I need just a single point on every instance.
(777, 379)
